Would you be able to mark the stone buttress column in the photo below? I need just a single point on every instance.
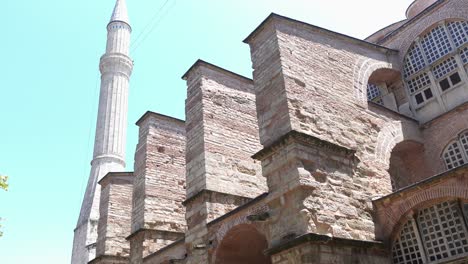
(115, 212)
(158, 216)
(222, 135)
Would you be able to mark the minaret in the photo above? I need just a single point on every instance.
(111, 129)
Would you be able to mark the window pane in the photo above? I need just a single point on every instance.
(444, 84)
(453, 156)
(464, 55)
(455, 78)
(419, 82)
(414, 61)
(419, 98)
(464, 142)
(443, 231)
(436, 44)
(444, 68)
(406, 249)
(372, 91)
(458, 32)
(428, 93)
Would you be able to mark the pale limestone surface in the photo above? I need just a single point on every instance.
(111, 130)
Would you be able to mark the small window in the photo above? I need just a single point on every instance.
(456, 153)
(444, 84)
(455, 78)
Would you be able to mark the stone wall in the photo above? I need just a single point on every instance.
(115, 216)
(308, 81)
(440, 132)
(159, 189)
(222, 135)
(324, 250)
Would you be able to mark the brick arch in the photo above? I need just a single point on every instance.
(448, 137)
(397, 214)
(390, 135)
(363, 69)
(243, 243)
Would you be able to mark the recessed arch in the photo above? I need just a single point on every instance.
(242, 244)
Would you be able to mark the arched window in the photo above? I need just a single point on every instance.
(456, 152)
(435, 234)
(436, 62)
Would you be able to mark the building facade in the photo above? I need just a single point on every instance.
(339, 150)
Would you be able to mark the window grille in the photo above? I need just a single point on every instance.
(464, 55)
(458, 31)
(419, 82)
(435, 54)
(406, 248)
(453, 156)
(414, 61)
(464, 142)
(444, 68)
(373, 91)
(437, 235)
(443, 231)
(436, 44)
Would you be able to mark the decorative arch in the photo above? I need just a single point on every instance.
(363, 69)
(390, 135)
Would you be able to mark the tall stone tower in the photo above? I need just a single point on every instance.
(111, 129)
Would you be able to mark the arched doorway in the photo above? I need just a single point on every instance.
(242, 244)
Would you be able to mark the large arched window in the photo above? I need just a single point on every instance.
(436, 63)
(435, 234)
(456, 152)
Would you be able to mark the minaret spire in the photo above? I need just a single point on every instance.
(111, 129)
(120, 12)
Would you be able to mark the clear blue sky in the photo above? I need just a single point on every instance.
(49, 91)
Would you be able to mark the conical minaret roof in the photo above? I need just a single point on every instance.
(120, 12)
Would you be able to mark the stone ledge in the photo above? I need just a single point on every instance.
(203, 63)
(238, 209)
(460, 107)
(117, 178)
(423, 183)
(158, 115)
(164, 249)
(111, 259)
(207, 191)
(141, 230)
(322, 239)
(302, 138)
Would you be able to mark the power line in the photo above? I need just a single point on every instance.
(154, 25)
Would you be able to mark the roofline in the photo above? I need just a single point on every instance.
(151, 113)
(371, 35)
(410, 21)
(274, 15)
(201, 62)
(425, 181)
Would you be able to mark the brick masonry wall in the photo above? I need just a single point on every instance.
(440, 132)
(115, 215)
(222, 133)
(313, 87)
(159, 184)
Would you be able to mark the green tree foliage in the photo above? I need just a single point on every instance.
(4, 186)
